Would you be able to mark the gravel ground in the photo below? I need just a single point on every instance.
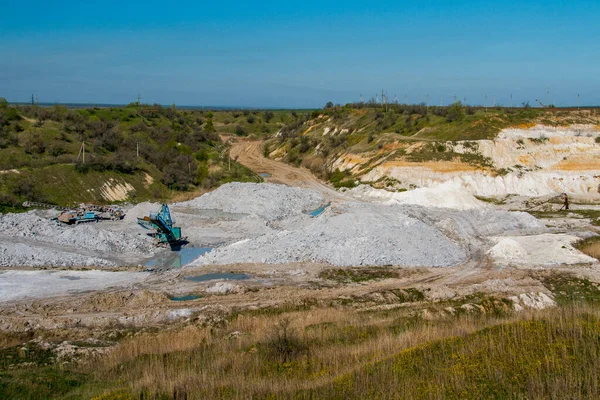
(26, 239)
(353, 234)
(28, 254)
(269, 201)
(267, 223)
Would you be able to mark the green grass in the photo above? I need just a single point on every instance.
(31, 372)
(554, 357)
(355, 275)
(569, 289)
(491, 200)
(64, 185)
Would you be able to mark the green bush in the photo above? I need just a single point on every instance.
(239, 131)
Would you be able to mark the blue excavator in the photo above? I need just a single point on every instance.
(161, 225)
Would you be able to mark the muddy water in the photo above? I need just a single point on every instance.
(187, 297)
(218, 276)
(177, 259)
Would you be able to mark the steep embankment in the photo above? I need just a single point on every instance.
(538, 161)
(498, 153)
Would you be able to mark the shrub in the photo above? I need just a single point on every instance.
(283, 344)
(179, 174)
(268, 116)
(34, 144)
(455, 112)
(239, 131)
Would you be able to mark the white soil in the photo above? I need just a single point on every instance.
(39, 284)
(447, 195)
(538, 250)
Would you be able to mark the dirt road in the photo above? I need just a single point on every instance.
(250, 154)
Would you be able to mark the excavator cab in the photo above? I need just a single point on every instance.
(162, 225)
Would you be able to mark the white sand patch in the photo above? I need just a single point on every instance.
(538, 250)
(540, 131)
(223, 288)
(38, 284)
(448, 195)
(113, 190)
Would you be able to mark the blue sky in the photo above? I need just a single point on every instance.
(300, 54)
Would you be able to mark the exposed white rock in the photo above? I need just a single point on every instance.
(538, 250)
(536, 301)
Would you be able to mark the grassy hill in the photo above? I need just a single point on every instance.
(411, 133)
(132, 153)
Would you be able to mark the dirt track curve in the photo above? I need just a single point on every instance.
(250, 154)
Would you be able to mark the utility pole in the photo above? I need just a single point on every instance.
(486, 99)
(81, 152)
(511, 103)
(406, 99)
(32, 102)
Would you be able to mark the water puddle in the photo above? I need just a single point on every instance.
(71, 278)
(265, 174)
(228, 276)
(177, 259)
(318, 211)
(186, 297)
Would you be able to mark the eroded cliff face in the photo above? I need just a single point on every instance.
(534, 161)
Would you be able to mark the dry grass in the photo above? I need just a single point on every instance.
(177, 197)
(323, 349)
(340, 352)
(590, 246)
